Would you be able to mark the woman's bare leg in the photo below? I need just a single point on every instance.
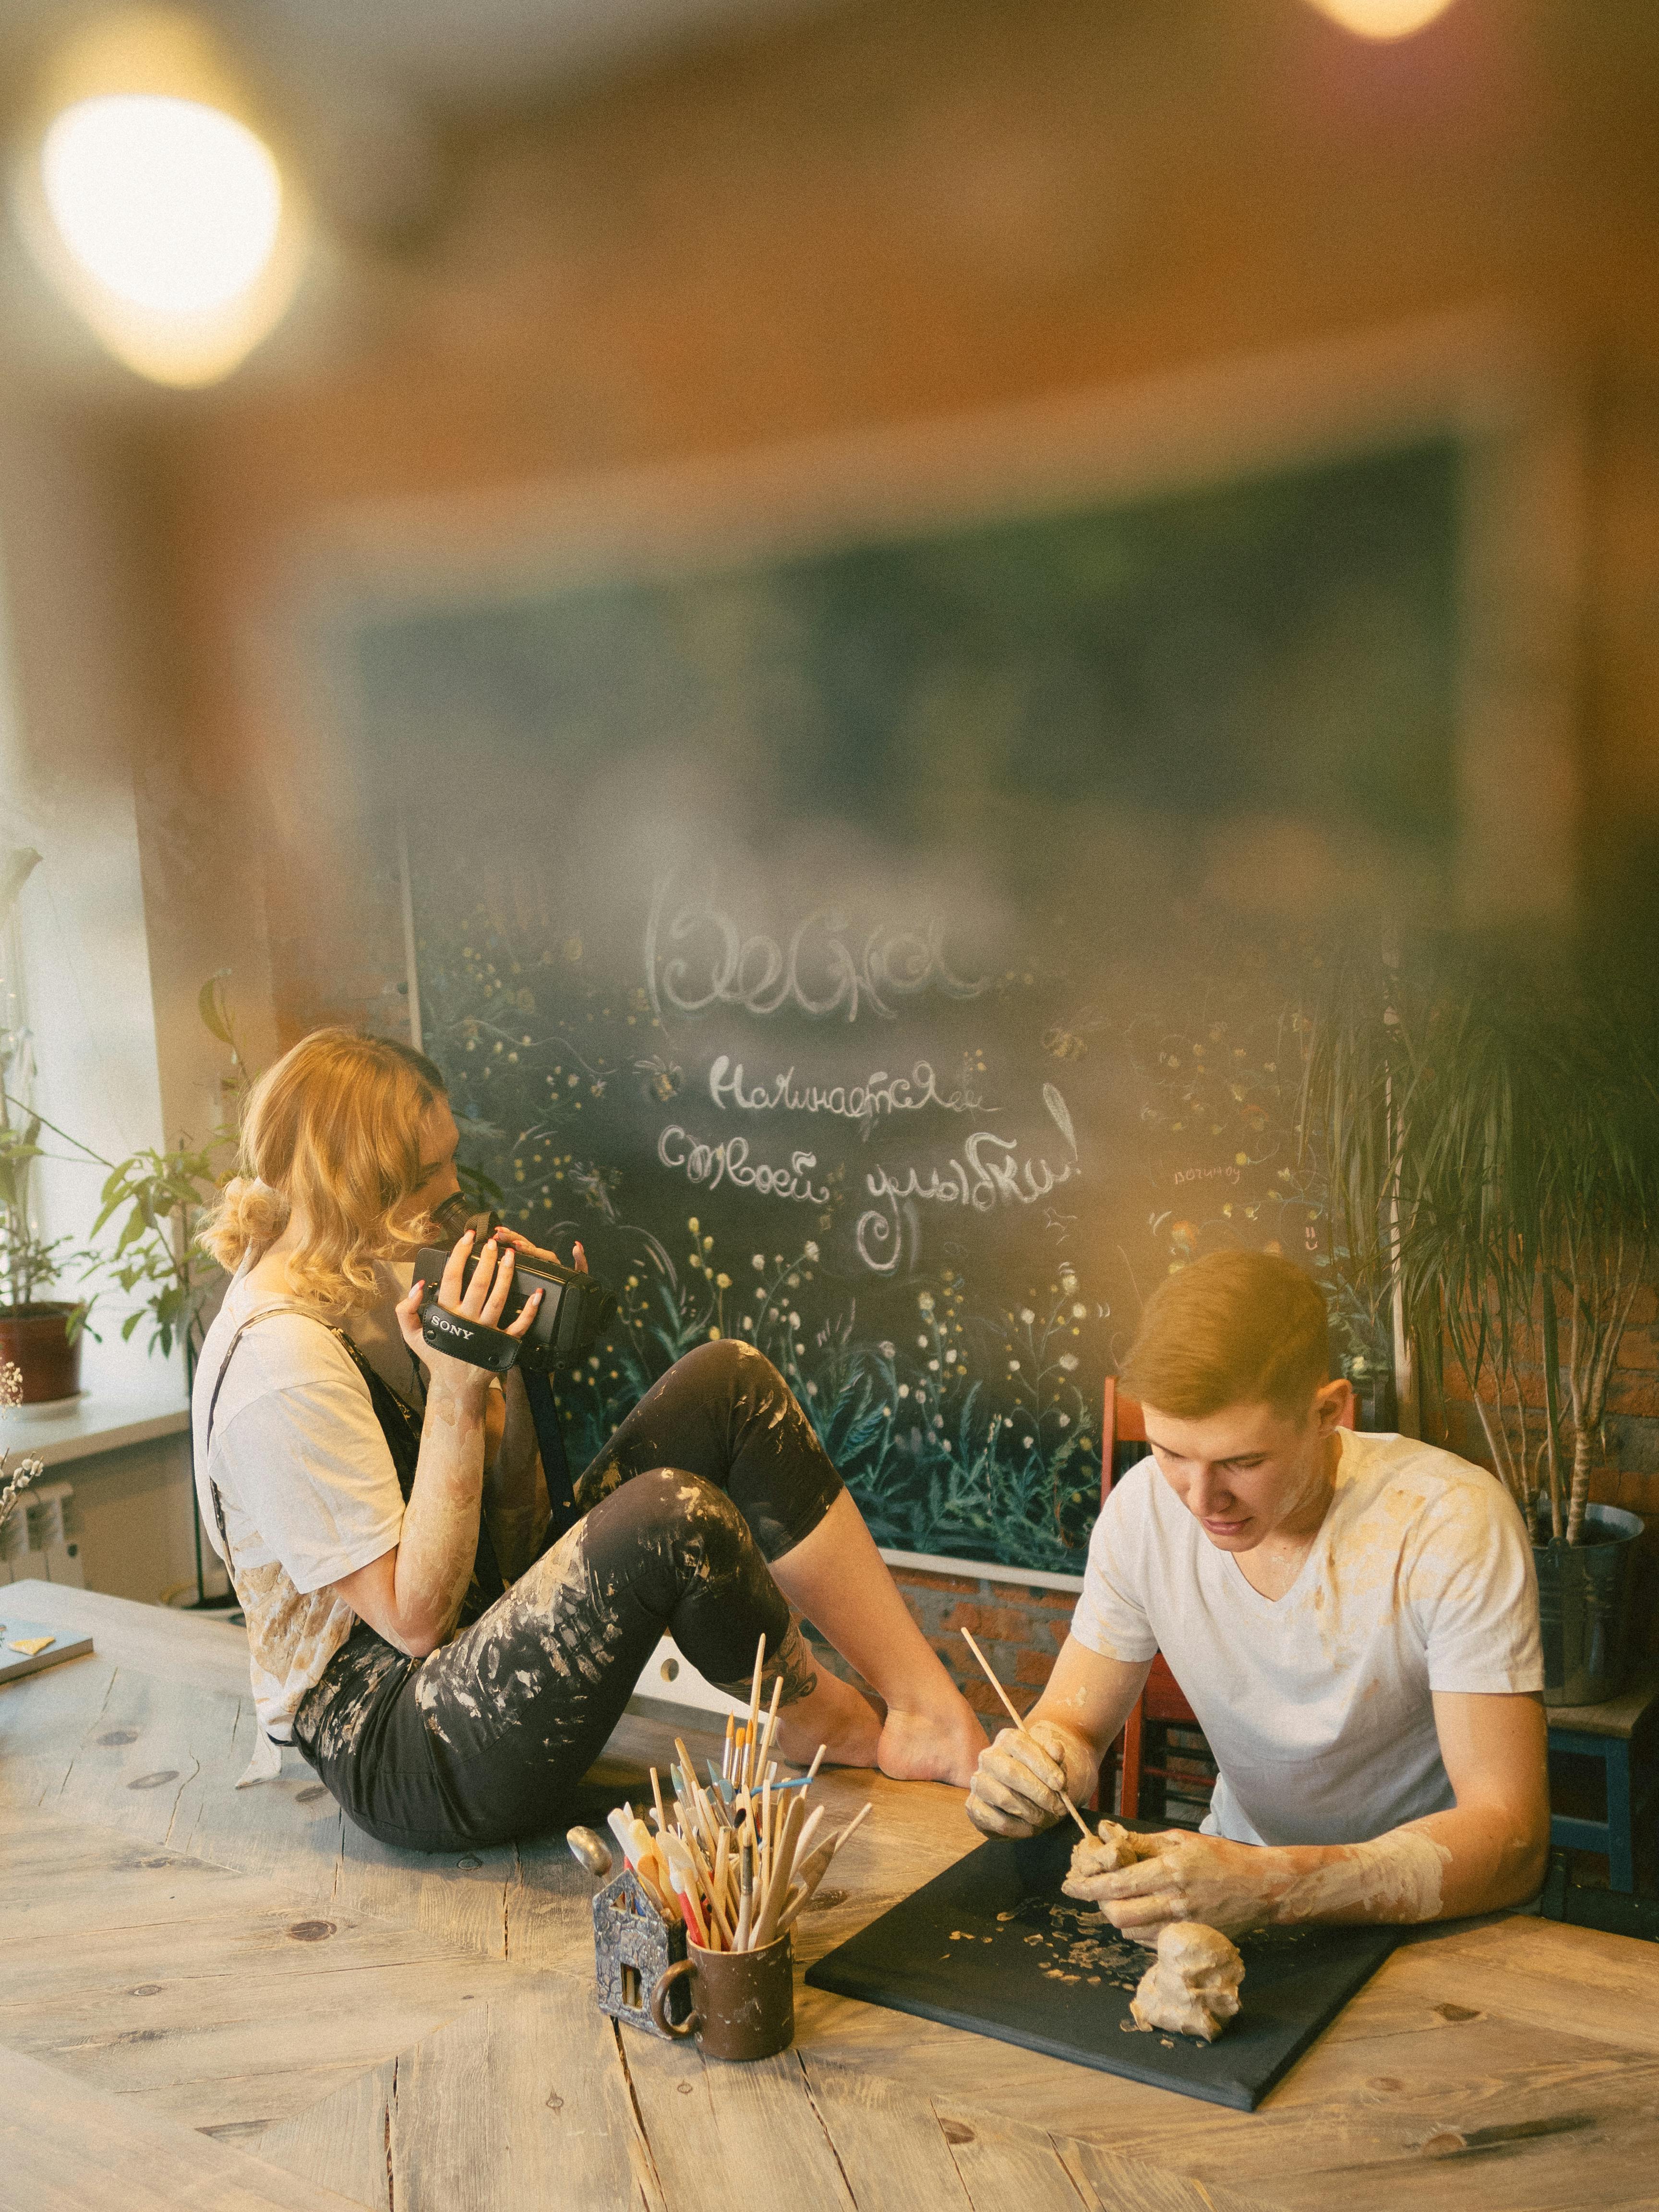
(836, 1577)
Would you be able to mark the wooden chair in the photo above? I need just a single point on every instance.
(1123, 1423)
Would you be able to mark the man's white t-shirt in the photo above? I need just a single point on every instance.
(1316, 1705)
(303, 1472)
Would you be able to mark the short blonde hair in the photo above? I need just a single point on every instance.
(1235, 1328)
(333, 1129)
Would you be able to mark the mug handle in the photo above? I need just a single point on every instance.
(659, 2000)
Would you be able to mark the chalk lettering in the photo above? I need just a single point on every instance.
(985, 1176)
(714, 1164)
(824, 969)
(865, 1102)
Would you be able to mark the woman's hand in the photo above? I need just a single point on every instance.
(1017, 1786)
(1231, 1887)
(485, 1299)
(522, 1245)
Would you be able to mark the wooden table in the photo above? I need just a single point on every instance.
(212, 1997)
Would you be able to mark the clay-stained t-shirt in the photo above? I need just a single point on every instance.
(309, 1491)
(1316, 1705)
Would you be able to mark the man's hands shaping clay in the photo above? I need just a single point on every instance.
(1017, 1786)
(1108, 1851)
(1179, 1876)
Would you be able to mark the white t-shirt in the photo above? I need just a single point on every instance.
(1316, 1705)
(309, 1491)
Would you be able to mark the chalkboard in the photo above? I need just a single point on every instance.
(992, 1945)
(841, 941)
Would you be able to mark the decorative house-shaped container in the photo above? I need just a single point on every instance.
(633, 1948)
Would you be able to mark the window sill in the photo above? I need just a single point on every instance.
(98, 1421)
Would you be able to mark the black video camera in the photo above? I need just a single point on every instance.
(572, 1310)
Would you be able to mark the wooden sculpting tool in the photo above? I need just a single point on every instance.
(777, 1886)
(1007, 1706)
(684, 1877)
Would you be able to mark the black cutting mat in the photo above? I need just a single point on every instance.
(992, 1945)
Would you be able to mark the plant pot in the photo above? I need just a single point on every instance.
(35, 1340)
(1586, 1596)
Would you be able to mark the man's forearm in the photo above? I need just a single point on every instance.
(1475, 1859)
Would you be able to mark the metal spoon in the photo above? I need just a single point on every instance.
(589, 1851)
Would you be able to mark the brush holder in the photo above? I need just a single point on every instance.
(743, 2001)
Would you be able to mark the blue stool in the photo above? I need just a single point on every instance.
(1612, 1732)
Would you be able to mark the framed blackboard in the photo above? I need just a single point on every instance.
(881, 939)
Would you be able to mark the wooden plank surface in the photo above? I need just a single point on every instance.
(438, 2047)
(521, 2101)
(66, 2148)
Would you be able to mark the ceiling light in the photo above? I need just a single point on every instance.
(1382, 19)
(157, 205)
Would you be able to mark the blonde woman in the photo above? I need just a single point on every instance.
(447, 1668)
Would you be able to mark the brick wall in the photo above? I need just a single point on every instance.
(1018, 1627)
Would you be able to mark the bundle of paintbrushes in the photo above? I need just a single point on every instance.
(739, 1860)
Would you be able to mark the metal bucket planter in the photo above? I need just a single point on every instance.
(1586, 1595)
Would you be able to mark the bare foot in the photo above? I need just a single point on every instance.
(832, 1714)
(936, 1743)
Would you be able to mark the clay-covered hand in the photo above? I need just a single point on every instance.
(1104, 1852)
(1231, 1887)
(1017, 1786)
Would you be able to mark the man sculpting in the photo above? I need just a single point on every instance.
(1353, 1619)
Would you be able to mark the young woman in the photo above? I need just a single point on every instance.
(383, 1514)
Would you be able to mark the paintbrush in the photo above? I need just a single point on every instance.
(1007, 1706)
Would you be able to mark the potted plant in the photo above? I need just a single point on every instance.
(13, 1480)
(1489, 1122)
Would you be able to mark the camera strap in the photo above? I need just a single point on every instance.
(555, 1466)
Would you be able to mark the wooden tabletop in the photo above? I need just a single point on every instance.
(220, 1997)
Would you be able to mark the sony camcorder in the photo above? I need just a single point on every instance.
(574, 1308)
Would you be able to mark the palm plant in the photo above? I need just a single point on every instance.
(1490, 1126)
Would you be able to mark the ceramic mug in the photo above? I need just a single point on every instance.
(743, 2001)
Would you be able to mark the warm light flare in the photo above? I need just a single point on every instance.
(1382, 19)
(154, 199)
(172, 206)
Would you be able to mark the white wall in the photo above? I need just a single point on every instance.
(69, 731)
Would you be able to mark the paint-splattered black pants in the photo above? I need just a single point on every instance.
(717, 1472)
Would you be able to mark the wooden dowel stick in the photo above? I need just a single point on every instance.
(754, 1712)
(809, 1829)
(818, 1761)
(853, 1826)
(1008, 1707)
(656, 1792)
(771, 1724)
